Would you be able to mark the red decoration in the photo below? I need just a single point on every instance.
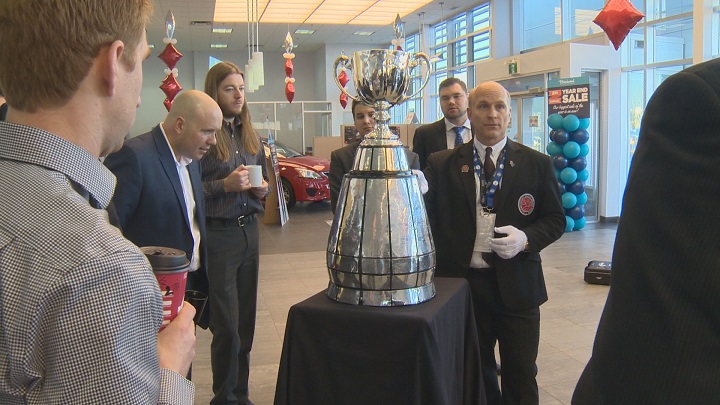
(167, 103)
(171, 87)
(343, 78)
(343, 100)
(617, 18)
(288, 68)
(289, 91)
(170, 56)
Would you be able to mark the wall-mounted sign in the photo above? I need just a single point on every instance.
(569, 96)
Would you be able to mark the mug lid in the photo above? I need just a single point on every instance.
(161, 257)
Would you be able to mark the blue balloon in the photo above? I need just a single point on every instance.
(568, 175)
(578, 163)
(584, 123)
(583, 174)
(579, 224)
(584, 150)
(560, 162)
(577, 187)
(569, 224)
(554, 149)
(582, 198)
(560, 136)
(576, 212)
(571, 122)
(580, 136)
(555, 121)
(571, 149)
(569, 200)
(561, 186)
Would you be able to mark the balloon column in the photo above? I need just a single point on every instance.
(568, 148)
(289, 79)
(170, 56)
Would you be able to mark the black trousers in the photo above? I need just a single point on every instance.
(518, 336)
(233, 264)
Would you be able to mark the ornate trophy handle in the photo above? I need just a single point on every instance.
(417, 58)
(345, 63)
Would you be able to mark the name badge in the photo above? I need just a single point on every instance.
(485, 225)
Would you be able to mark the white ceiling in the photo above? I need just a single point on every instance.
(199, 37)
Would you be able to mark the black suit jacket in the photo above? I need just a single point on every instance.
(149, 201)
(428, 139)
(658, 340)
(341, 162)
(451, 207)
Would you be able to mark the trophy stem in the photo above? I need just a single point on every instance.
(382, 117)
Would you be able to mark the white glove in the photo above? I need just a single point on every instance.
(422, 181)
(508, 246)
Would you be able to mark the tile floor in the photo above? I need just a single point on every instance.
(292, 268)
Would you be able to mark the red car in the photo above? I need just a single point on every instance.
(304, 178)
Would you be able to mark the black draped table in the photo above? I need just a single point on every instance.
(343, 354)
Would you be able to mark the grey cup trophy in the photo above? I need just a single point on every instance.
(380, 250)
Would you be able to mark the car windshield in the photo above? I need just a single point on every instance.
(284, 150)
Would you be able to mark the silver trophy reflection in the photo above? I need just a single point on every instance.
(380, 250)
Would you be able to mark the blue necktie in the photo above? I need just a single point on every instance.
(458, 136)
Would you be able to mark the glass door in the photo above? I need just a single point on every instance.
(527, 125)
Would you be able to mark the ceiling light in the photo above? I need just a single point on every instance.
(304, 32)
(363, 33)
(218, 45)
(222, 30)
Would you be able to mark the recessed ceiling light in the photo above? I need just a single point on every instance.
(218, 45)
(304, 32)
(363, 33)
(222, 30)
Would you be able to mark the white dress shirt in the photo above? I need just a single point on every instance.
(450, 133)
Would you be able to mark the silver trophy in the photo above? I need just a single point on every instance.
(380, 250)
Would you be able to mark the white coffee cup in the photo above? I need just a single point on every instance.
(255, 175)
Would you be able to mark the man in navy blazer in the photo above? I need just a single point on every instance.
(658, 340)
(506, 280)
(441, 134)
(158, 178)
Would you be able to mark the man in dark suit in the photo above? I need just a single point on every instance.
(450, 131)
(159, 193)
(341, 160)
(504, 272)
(659, 335)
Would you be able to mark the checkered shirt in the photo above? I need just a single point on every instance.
(79, 305)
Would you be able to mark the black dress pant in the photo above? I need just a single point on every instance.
(233, 264)
(518, 335)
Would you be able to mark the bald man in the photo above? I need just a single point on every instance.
(159, 193)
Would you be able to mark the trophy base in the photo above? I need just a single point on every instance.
(382, 298)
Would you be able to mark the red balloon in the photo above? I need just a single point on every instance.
(343, 79)
(170, 86)
(288, 67)
(343, 99)
(289, 91)
(617, 18)
(167, 103)
(170, 56)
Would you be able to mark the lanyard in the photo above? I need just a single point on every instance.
(486, 198)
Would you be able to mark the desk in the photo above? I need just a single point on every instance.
(339, 354)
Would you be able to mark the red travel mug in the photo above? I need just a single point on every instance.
(171, 268)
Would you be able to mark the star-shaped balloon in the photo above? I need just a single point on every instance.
(617, 18)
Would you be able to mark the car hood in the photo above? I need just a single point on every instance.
(311, 162)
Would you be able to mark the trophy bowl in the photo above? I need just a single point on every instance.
(380, 250)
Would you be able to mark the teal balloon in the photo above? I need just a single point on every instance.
(581, 198)
(569, 224)
(571, 123)
(579, 224)
(584, 150)
(568, 175)
(555, 121)
(569, 200)
(583, 174)
(584, 123)
(571, 149)
(554, 148)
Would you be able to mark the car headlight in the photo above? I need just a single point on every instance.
(308, 174)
